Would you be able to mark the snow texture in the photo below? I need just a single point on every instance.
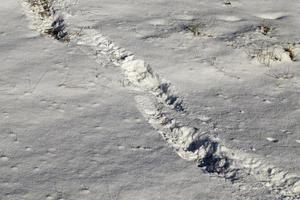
(173, 112)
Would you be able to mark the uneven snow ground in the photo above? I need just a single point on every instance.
(246, 100)
(71, 130)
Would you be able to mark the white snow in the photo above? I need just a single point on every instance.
(103, 111)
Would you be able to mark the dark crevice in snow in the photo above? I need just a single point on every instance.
(57, 30)
(46, 19)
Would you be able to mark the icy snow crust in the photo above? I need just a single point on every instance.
(193, 136)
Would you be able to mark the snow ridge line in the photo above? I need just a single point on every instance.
(137, 72)
(188, 142)
(210, 154)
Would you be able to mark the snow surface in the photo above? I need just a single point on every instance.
(76, 125)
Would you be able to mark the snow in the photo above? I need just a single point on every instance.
(105, 112)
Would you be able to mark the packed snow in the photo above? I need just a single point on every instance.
(156, 99)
